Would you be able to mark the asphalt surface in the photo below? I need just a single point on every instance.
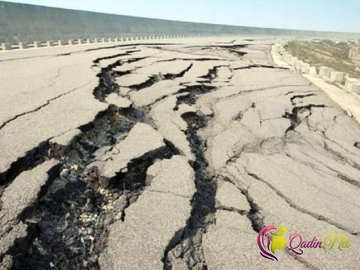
(171, 156)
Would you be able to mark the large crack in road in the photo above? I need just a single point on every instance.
(188, 246)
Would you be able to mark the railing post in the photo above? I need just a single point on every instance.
(37, 44)
(6, 47)
(22, 45)
(50, 43)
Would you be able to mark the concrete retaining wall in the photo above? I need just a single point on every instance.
(327, 74)
(352, 85)
(29, 23)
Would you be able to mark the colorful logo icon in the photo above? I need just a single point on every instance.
(270, 239)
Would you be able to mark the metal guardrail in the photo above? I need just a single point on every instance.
(51, 43)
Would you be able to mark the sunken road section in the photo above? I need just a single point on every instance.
(170, 156)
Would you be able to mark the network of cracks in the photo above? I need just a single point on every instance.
(68, 224)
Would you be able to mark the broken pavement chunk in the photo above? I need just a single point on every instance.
(167, 68)
(142, 139)
(18, 196)
(132, 79)
(66, 138)
(171, 125)
(60, 144)
(228, 195)
(118, 101)
(7, 240)
(172, 176)
(185, 108)
(155, 92)
(206, 110)
(153, 221)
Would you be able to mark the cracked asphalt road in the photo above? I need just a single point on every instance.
(170, 156)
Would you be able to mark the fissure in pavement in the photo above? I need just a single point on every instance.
(187, 243)
(188, 247)
(69, 225)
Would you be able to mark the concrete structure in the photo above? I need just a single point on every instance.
(6, 46)
(352, 85)
(23, 45)
(313, 71)
(305, 68)
(298, 65)
(336, 76)
(49, 43)
(37, 44)
(325, 73)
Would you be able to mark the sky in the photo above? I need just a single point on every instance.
(321, 15)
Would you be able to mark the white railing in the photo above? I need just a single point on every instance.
(51, 43)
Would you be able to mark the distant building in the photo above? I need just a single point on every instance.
(354, 56)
